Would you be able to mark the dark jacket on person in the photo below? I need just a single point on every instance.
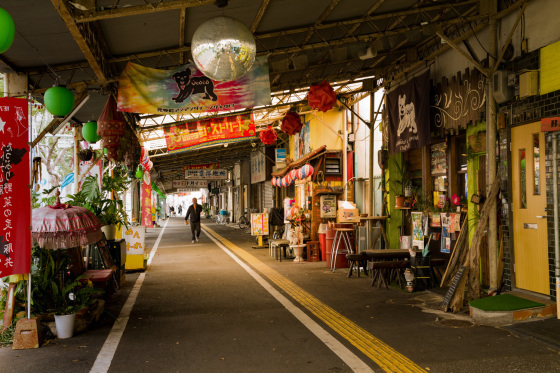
(194, 214)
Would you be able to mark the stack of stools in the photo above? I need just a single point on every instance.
(342, 235)
(359, 259)
(276, 248)
(313, 251)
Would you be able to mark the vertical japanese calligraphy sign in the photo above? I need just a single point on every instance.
(15, 202)
(147, 201)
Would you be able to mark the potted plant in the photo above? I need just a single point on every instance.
(400, 183)
(106, 204)
(57, 291)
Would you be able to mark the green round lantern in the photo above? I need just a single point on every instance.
(59, 101)
(89, 132)
(139, 173)
(7, 30)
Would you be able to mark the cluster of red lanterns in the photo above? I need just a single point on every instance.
(293, 175)
(321, 97)
(291, 123)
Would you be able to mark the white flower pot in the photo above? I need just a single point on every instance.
(65, 325)
(110, 231)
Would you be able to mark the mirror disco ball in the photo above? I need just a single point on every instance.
(223, 49)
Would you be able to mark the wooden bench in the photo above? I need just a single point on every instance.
(357, 259)
(384, 271)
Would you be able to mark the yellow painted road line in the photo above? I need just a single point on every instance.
(378, 351)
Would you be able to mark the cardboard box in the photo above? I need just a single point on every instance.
(348, 216)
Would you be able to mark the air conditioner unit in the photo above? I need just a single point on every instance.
(502, 92)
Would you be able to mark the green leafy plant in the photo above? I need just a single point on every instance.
(55, 289)
(108, 210)
(399, 182)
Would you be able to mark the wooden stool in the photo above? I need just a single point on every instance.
(313, 251)
(357, 259)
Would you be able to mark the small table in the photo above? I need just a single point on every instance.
(389, 254)
(373, 220)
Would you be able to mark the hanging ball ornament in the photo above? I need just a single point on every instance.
(89, 132)
(7, 30)
(223, 49)
(59, 101)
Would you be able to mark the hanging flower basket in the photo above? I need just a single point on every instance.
(85, 155)
(291, 124)
(111, 127)
(268, 136)
(321, 97)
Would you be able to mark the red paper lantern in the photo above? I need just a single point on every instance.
(321, 96)
(291, 124)
(268, 136)
(293, 174)
(110, 126)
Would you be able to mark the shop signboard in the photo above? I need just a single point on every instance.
(200, 166)
(147, 201)
(190, 183)
(550, 124)
(188, 190)
(206, 174)
(135, 238)
(280, 155)
(259, 224)
(258, 163)
(15, 210)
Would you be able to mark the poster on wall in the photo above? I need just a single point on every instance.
(302, 141)
(185, 89)
(409, 115)
(147, 201)
(15, 210)
(417, 231)
(135, 238)
(258, 167)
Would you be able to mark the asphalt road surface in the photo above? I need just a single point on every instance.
(220, 306)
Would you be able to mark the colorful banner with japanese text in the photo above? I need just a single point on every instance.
(147, 201)
(201, 166)
(212, 131)
(186, 90)
(15, 204)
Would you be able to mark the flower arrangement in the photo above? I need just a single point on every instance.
(297, 216)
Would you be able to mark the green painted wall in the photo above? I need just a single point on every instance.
(396, 216)
(472, 168)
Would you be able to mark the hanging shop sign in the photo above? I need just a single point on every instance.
(147, 201)
(206, 174)
(15, 213)
(188, 190)
(258, 167)
(212, 131)
(409, 115)
(550, 124)
(186, 90)
(458, 102)
(190, 184)
(200, 166)
(280, 155)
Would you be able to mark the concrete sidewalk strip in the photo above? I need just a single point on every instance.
(378, 351)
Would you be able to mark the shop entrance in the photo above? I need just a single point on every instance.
(529, 203)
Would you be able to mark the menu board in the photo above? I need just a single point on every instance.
(439, 158)
(259, 224)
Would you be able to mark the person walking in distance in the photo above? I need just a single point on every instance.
(194, 211)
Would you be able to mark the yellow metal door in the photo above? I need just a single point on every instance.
(529, 203)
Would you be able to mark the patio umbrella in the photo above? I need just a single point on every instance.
(62, 226)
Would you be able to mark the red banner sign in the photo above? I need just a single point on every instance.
(194, 135)
(147, 201)
(201, 166)
(15, 204)
(550, 124)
